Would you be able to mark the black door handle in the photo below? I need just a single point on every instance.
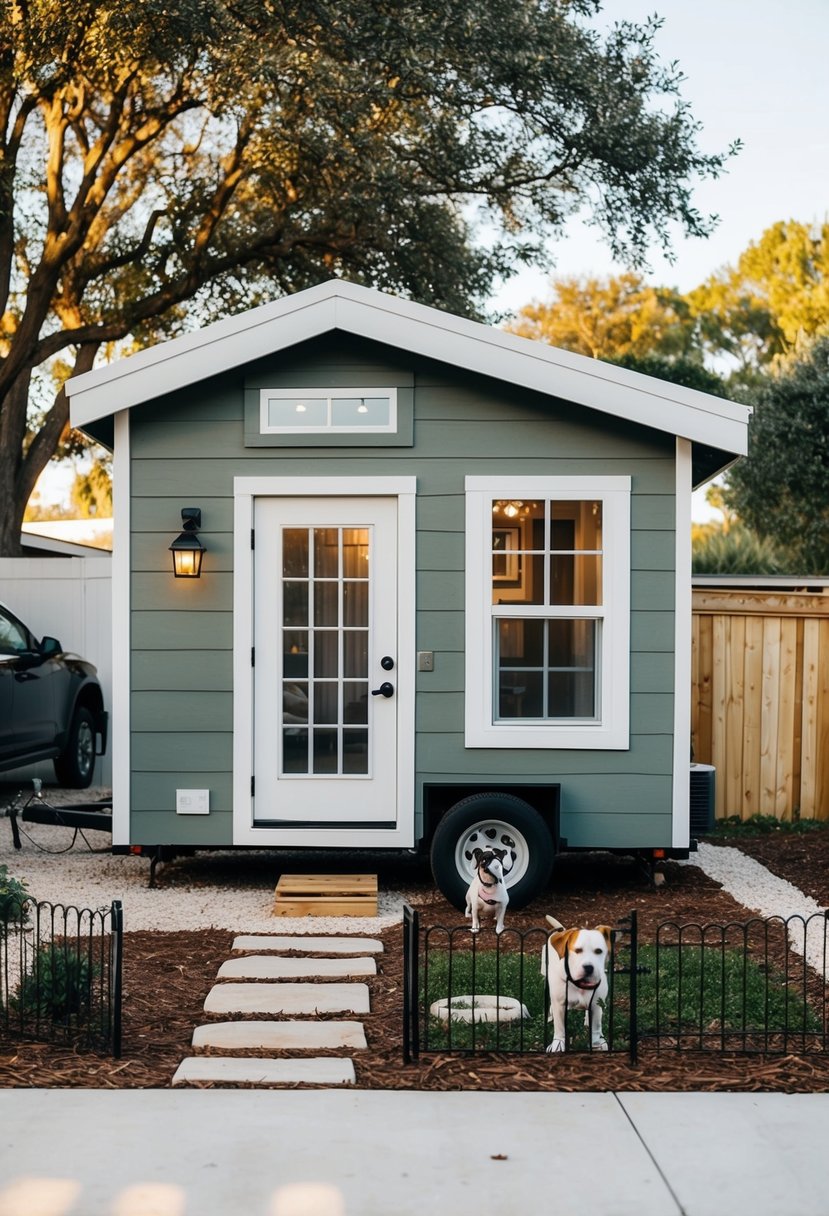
(385, 690)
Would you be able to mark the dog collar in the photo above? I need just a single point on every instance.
(484, 900)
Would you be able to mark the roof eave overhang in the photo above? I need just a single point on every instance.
(711, 422)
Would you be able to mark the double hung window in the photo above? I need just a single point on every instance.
(547, 610)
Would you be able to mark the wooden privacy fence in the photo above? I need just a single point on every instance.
(760, 700)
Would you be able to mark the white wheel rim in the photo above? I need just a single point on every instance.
(489, 834)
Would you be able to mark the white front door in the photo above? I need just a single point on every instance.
(325, 634)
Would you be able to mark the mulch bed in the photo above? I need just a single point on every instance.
(168, 975)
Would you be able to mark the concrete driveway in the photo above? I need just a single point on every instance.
(386, 1153)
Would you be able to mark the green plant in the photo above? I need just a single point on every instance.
(709, 990)
(56, 986)
(13, 897)
(758, 825)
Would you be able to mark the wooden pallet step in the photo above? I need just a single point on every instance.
(326, 895)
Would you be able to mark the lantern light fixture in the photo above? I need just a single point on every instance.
(187, 549)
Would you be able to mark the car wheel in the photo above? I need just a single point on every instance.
(76, 763)
(492, 820)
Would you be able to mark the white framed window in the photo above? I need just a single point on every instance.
(328, 411)
(548, 612)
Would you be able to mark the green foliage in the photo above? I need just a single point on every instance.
(680, 991)
(164, 164)
(13, 897)
(735, 827)
(91, 492)
(774, 298)
(708, 989)
(689, 372)
(620, 317)
(56, 987)
(737, 551)
(781, 490)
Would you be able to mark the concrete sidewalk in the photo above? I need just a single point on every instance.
(387, 1153)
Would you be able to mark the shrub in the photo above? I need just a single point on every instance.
(56, 986)
(13, 897)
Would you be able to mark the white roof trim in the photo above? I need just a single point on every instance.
(420, 330)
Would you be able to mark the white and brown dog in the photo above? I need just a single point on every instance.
(575, 963)
(487, 894)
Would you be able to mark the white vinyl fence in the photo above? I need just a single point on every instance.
(68, 598)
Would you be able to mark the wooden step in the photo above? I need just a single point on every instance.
(326, 895)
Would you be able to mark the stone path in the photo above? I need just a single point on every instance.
(258, 981)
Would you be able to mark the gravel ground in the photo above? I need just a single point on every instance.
(227, 889)
(755, 887)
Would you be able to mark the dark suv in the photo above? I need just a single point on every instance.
(51, 706)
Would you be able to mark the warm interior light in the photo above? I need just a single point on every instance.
(362, 409)
(187, 549)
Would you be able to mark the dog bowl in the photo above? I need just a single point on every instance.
(479, 1009)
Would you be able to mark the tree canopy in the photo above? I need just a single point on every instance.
(162, 164)
(774, 298)
(610, 318)
(781, 490)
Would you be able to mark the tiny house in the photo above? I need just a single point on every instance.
(431, 587)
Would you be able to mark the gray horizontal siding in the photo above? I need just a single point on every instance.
(187, 449)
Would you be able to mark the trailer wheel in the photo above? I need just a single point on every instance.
(484, 820)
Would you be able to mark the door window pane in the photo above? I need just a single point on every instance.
(294, 751)
(355, 653)
(355, 752)
(326, 611)
(295, 653)
(326, 760)
(325, 703)
(295, 603)
(355, 702)
(355, 552)
(355, 604)
(294, 702)
(326, 656)
(326, 553)
(295, 552)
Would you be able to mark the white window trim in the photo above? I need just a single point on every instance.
(612, 729)
(330, 395)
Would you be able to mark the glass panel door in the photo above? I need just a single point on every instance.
(325, 603)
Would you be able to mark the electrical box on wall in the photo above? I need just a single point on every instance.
(192, 802)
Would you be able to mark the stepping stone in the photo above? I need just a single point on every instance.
(235, 1070)
(287, 998)
(260, 967)
(275, 1036)
(309, 944)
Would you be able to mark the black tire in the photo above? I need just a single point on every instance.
(75, 765)
(503, 820)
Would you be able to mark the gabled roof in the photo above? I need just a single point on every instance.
(717, 428)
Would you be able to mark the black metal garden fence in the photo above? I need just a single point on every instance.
(757, 986)
(60, 974)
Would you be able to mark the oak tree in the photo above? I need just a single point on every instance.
(165, 163)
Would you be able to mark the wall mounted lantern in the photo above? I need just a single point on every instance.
(187, 549)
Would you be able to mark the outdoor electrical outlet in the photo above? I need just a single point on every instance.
(426, 660)
(192, 802)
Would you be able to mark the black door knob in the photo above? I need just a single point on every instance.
(387, 662)
(385, 690)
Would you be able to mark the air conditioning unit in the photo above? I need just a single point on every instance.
(702, 798)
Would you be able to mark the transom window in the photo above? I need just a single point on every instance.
(548, 612)
(328, 411)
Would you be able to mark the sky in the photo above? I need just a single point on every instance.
(756, 70)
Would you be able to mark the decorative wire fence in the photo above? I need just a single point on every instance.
(758, 986)
(60, 974)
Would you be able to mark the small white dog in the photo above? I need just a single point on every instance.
(487, 894)
(575, 963)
